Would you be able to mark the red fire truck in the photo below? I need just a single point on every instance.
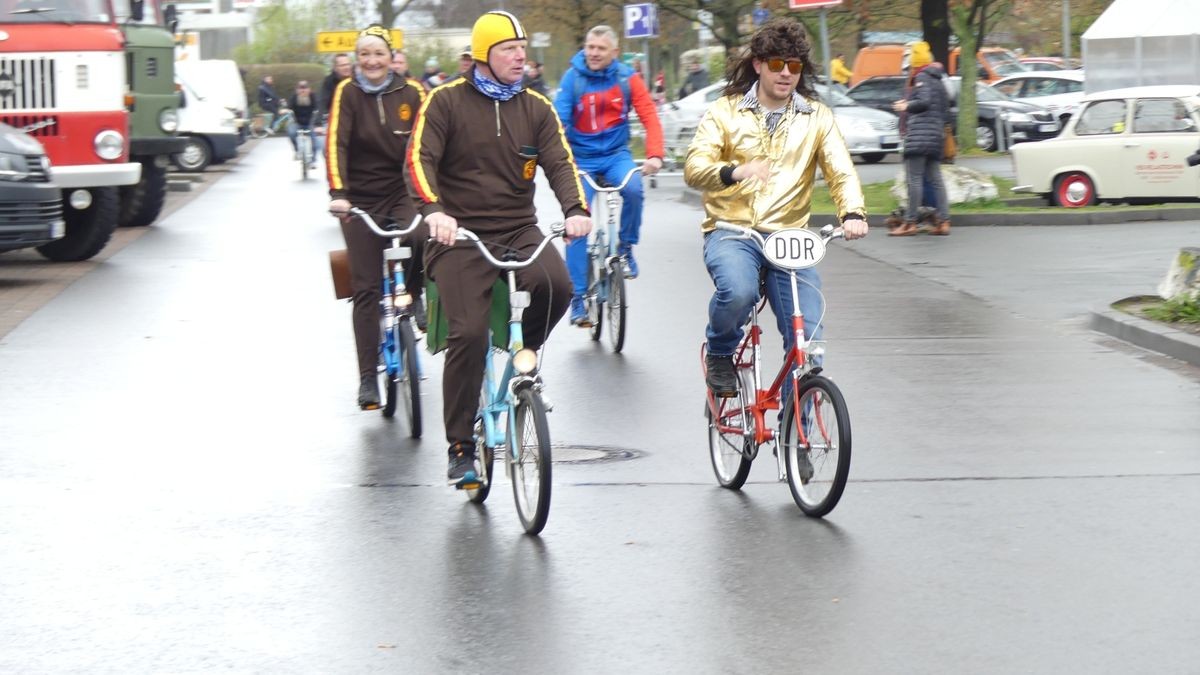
(62, 80)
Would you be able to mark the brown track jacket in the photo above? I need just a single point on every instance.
(475, 158)
(368, 135)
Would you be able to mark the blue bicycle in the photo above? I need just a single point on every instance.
(607, 268)
(512, 413)
(399, 367)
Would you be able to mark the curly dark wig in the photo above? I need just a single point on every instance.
(778, 38)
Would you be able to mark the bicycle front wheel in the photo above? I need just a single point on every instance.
(410, 377)
(616, 306)
(816, 446)
(731, 437)
(530, 457)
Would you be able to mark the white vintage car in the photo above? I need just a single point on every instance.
(1125, 145)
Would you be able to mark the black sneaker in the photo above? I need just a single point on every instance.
(721, 378)
(461, 470)
(368, 393)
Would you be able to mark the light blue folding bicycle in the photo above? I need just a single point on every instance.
(512, 412)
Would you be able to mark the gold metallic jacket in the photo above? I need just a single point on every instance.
(732, 134)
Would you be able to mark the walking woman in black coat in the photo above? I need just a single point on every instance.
(924, 112)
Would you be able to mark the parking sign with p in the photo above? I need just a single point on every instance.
(641, 21)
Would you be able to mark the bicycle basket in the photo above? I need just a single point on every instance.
(439, 328)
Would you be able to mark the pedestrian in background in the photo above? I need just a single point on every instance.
(341, 69)
(840, 73)
(400, 64)
(697, 78)
(534, 79)
(923, 117)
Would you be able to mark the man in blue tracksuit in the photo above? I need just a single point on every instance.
(594, 99)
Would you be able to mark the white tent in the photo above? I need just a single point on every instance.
(1140, 42)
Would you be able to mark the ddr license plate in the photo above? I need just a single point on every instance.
(891, 140)
(1047, 127)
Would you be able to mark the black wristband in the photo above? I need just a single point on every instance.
(853, 216)
(727, 174)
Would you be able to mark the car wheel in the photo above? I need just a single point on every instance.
(985, 137)
(195, 156)
(1074, 190)
(873, 157)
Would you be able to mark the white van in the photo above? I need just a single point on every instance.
(214, 105)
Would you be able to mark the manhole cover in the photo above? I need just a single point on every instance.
(591, 454)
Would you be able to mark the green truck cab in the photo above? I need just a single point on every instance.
(152, 100)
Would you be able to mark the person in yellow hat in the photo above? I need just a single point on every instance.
(923, 115)
(472, 161)
(838, 70)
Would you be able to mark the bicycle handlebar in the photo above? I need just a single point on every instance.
(826, 233)
(366, 218)
(597, 188)
(556, 231)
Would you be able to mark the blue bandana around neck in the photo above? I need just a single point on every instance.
(494, 89)
(372, 88)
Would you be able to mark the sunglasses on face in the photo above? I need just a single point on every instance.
(776, 65)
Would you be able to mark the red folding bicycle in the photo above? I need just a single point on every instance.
(812, 446)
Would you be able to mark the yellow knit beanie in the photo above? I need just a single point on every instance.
(922, 55)
(490, 30)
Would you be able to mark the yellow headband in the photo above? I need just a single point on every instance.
(375, 30)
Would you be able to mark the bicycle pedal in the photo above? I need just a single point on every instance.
(474, 485)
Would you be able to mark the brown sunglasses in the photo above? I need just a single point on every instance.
(776, 65)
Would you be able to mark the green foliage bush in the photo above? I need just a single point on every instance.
(286, 76)
(1183, 309)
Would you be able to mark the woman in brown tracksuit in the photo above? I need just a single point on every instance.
(371, 119)
(472, 161)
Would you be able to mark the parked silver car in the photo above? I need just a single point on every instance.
(870, 134)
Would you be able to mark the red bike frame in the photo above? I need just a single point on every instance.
(746, 358)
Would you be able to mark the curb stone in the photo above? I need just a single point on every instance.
(1146, 334)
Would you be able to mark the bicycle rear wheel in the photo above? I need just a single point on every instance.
(484, 457)
(595, 298)
(409, 376)
(616, 306)
(258, 127)
(531, 460)
(304, 143)
(816, 446)
(731, 437)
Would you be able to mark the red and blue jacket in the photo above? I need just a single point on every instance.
(594, 108)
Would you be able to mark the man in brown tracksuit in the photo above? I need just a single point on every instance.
(472, 161)
(370, 121)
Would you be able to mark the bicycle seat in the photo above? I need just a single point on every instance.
(601, 181)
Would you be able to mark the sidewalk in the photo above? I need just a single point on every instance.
(1101, 318)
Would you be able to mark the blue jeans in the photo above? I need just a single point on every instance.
(613, 169)
(924, 173)
(735, 266)
(317, 141)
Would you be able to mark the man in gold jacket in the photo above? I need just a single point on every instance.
(755, 157)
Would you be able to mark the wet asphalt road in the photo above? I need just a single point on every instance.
(186, 485)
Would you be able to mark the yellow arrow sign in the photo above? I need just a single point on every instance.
(343, 40)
